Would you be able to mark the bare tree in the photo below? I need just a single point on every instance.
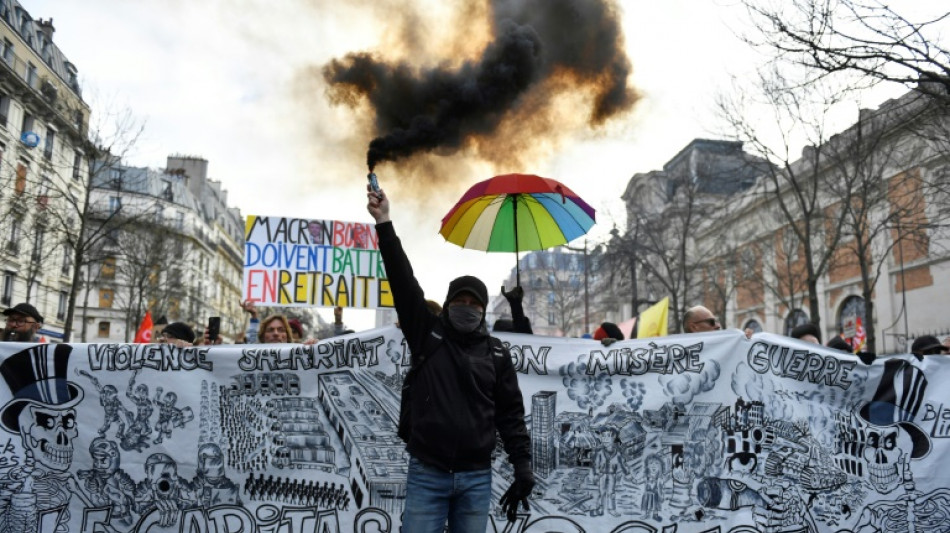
(664, 247)
(565, 300)
(877, 165)
(83, 225)
(144, 260)
(867, 40)
(795, 188)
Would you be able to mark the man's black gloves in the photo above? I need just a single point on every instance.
(514, 296)
(518, 492)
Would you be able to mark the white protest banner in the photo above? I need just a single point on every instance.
(293, 262)
(686, 433)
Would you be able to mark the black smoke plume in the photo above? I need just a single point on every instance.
(533, 41)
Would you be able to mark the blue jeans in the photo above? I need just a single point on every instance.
(434, 496)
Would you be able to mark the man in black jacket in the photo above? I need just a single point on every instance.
(462, 390)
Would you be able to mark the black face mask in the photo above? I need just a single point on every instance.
(465, 318)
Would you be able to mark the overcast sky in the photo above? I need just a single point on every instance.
(237, 83)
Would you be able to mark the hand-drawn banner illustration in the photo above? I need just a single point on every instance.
(313, 263)
(687, 433)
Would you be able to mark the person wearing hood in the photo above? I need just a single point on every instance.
(462, 390)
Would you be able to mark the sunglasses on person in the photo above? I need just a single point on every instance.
(19, 321)
(711, 322)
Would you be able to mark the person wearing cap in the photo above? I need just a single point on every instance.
(177, 333)
(23, 321)
(928, 345)
(462, 391)
(608, 333)
(699, 319)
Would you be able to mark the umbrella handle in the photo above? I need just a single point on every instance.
(514, 211)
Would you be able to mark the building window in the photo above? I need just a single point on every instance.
(115, 203)
(31, 75)
(37, 254)
(107, 270)
(106, 297)
(21, 171)
(50, 143)
(61, 307)
(13, 245)
(795, 318)
(4, 109)
(7, 297)
(67, 260)
(28, 122)
(77, 163)
(103, 329)
(42, 196)
(180, 220)
(8, 51)
(754, 325)
(851, 321)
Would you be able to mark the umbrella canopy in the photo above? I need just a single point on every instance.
(515, 213)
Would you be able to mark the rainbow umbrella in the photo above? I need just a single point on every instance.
(515, 213)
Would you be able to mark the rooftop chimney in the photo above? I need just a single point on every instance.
(46, 26)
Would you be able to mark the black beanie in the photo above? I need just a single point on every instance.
(468, 284)
(806, 329)
(180, 331)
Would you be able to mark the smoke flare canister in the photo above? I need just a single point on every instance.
(373, 182)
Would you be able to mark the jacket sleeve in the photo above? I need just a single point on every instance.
(519, 321)
(338, 328)
(415, 319)
(252, 328)
(509, 414)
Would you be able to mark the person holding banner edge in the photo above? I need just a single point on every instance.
(462, 390)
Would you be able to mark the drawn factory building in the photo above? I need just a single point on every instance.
(378, 461)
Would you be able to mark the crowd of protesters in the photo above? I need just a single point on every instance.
(23, 323)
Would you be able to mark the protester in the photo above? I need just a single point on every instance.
(807, 332)
(275, 329)
(928, 345)
(339, 328)
(838, 343)
(177, 333)
(699, 319)
(608, 333)
(461, 387)
(23, 321)
(296, 329)
(158, 326)
(519, 322)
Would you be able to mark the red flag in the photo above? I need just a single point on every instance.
(144, 334)
(860, 337)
